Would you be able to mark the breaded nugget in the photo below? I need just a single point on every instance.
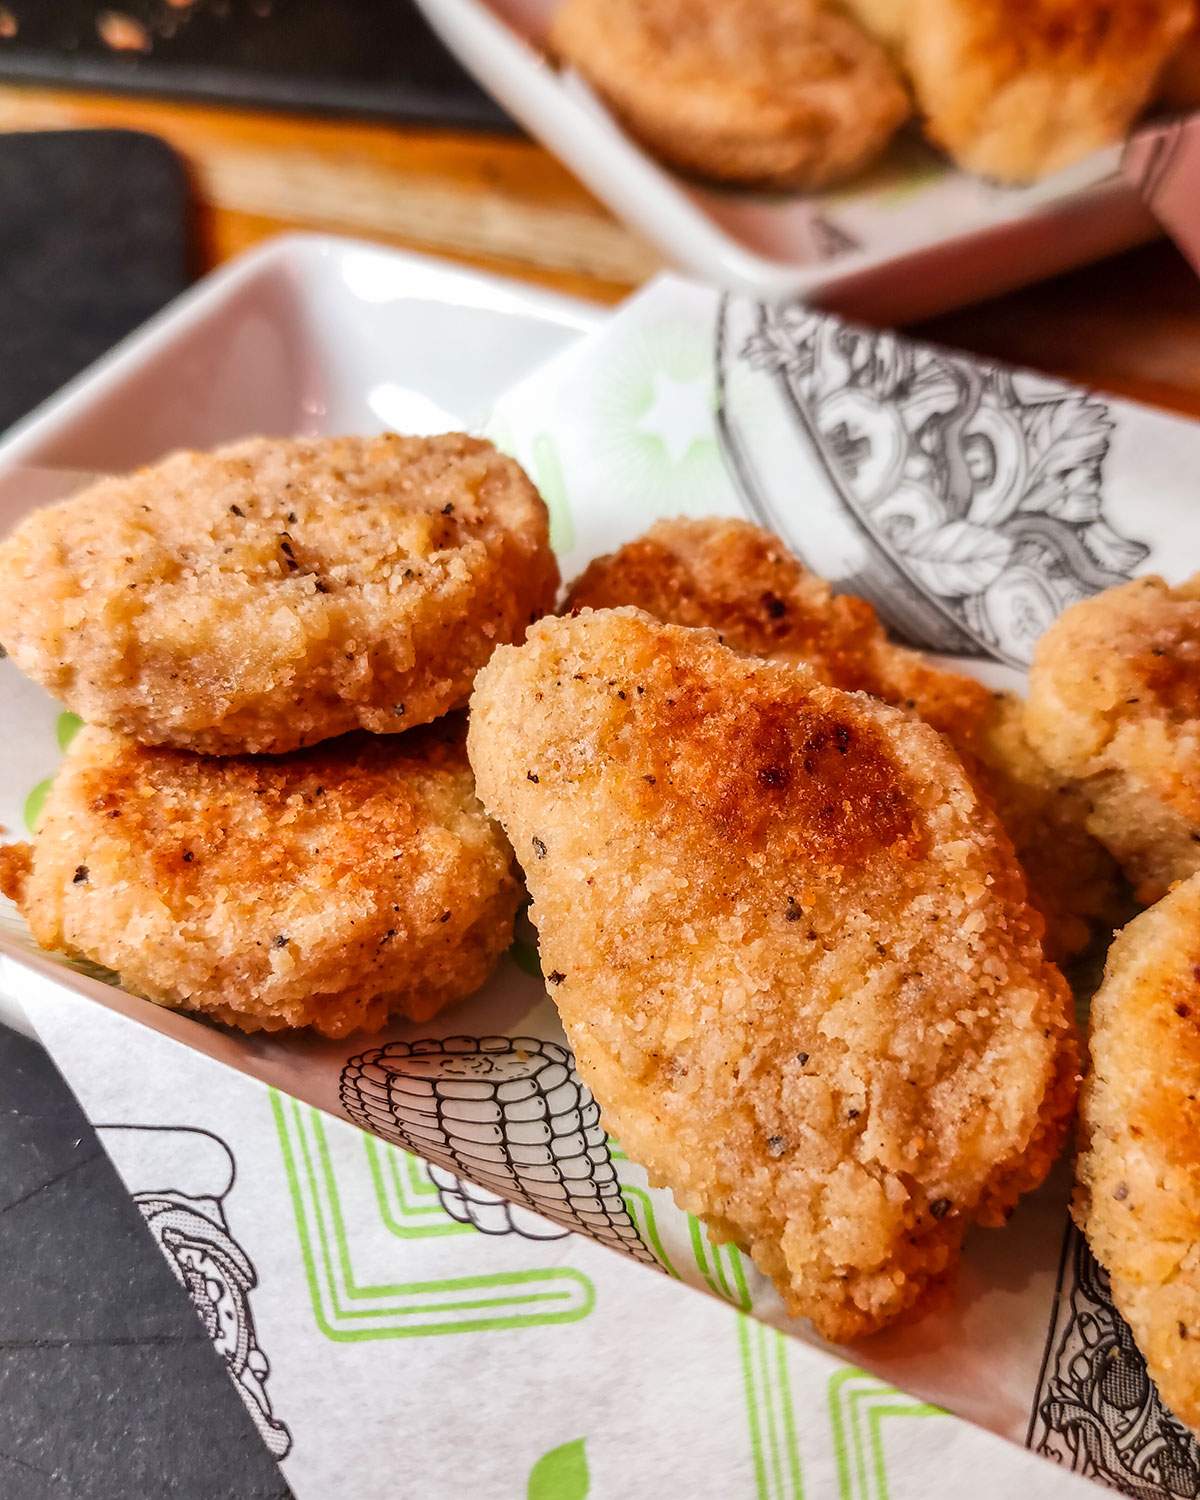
(1114, 702)
(1138, 1174)
(790, 948)
(1015, 89)
(330, 888)
(782, 92)
(278, 592)
(886, 20)
(1180, 83)
(742, 581)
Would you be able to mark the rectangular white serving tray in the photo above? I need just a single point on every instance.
(307, 335)
(912, 237)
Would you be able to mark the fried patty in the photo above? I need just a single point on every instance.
(1138, 1173)
(742, 581)
(1017, 90)
(1114, 703)
(790, 947)
(278, 592)
(789, 93)
(331, 888)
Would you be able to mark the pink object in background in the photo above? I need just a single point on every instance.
(1163, 163)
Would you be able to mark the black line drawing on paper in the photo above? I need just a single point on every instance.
(508, 1121)
(965, 501)
(179, 1177)
(1096, 1410)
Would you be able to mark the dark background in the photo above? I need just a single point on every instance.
(363, 57)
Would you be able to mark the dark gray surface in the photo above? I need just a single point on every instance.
(109, 1388)
(93, 240)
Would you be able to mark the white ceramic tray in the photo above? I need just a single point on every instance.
(912, 237)
(307, 335)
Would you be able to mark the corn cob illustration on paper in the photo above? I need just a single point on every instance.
(510, 1116)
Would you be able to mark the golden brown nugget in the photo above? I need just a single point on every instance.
(742, 581)
(1138, 1173)
(886, 20)
(1180, 84)
(278, 592)
(1114, 702)
(782, 92)
(331, 888)
(790, 948)
(1015, 91)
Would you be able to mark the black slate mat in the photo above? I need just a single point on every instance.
(93, 240)
(362, 57)
(109, 1388)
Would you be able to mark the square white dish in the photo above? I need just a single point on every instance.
(307, 335)
(914, 237)
(639, 416)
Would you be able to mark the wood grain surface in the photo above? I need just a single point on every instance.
(1130, 325)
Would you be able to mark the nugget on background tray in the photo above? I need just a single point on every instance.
(279, 591)
(783, 92)
(1114, 702)
(331, 888)
(1015, 92)
(1138, 1174)
(742, 581)
(790, 947)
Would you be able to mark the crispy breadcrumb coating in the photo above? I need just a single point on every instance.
(331, 888)
(278, 592)
(1180, 84)
(742, 581)
(1138, 1174)
(784, 92)
(1015, 89)
(790, 948)
(1114, 702)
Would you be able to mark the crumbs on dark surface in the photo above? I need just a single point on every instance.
(80, 875)
(555, 976)
(539, 847)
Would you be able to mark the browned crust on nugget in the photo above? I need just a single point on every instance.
(1015, 89)
(279, 591)
(742, 581)
(790, 947)
(1138, 1173)
(782, 92)
(1180, 84)
(330, 888)
(1114, 702)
